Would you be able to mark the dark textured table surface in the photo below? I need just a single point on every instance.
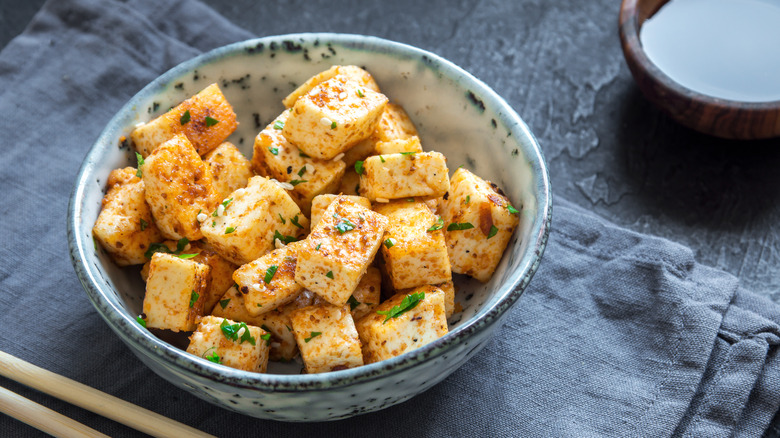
(562, 69)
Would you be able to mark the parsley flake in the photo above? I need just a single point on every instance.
(333, 125)
(229, 230)
(141, 321)
(511, 209)
(273, 150)
(294, 221)
(282, 219)
(438, 225)
(389, 243)
(312, 336)
(295, 182)
(459, 226)
(359, 167)
(344, 225)
(382, 158)
(278, 124)
(213, 357)
(329, 274)
(224, 303)
(302, 171)
(144, 224)
(360, 93)
(187, 256)
(493, 231)
(140, 159)
(408, 303)
(267, 338)
(193, 298)
(407, 153)
(185, 118)
(353, 303)
(317, 248)
(231, 332)
(468, 199)
(301, 154)
(284, 239)
(269, 273)
(211, 121)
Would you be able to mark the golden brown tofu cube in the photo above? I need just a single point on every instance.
(206, 119)
(321, 202)
(394, 124)
(478, 223)
(245, 225)
(353, 72)
(411, 144)
(307, 177)
(230, 343)
(407, 322)
(269, 282)
(413, 249)
(175, 292)
(179, 187)
(327, 338)
(367, 294)
(350, 183)
(335, 255)
(229, 168)
(404, 175)
(334, 116)
(125, 227)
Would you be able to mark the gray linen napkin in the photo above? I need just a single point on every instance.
(620, 334)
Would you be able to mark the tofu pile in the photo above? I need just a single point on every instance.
(336, 243)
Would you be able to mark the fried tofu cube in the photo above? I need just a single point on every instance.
(350, 183)
(276, 157)
(413, 249)
(125, 227)
(229, 168)
(245, 225)
(359, 152)
(234, 344)
(449, 295)
(411, 144)
(367, 294)
(269, 282)
(221, 277)
(206, 119)
(179, 186)
(327, 338)
(404, 175)
(320, 204)
(394, 124)
(352, 72)
(405, 327)
(334, 116)
(175, 292)
(335, 255)
(478, 221)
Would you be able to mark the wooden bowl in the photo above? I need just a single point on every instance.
(710, 115)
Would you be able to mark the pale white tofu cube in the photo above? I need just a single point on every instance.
(230, 343)
(269, 281)
(175, 293)
(350, 183)
(478, 223)
(229, 168)
(206, 119)
(326, 338)
(407, 322)
(246, 225)
(398, 145)
(321, 202)
(394, 124)
(352, 72)
(335, 255)
(334, 116)
(404, 175)
(125, 227)
(367, 294)
(179, 186)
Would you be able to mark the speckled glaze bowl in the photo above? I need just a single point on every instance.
(455, 113)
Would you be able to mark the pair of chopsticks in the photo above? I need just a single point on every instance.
(80, 395)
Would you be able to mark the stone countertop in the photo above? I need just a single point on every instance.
(562, 69)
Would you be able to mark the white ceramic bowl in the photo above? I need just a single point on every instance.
(455, 113)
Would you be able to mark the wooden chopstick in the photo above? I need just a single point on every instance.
(93, 400)
(43, 418)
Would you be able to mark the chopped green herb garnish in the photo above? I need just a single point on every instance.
(329, 274)
(273, 150)
(295, 182)
(344, 225)
(211, 121)
(438, 225)
(161, 247)
(333, 125)
(282, 219)
(267, 338)
(317, 248)
(213, 356)
(284, 239)
(359, 167)
(289, 329)
(181, 244)
(301, 154)
(410, 200)
(193, 298)
(144, 224)
(312, 336)
(141, 321)
(408, 303)
(353, 303)
(213, 224)
(229, 230)
(226, 202)
(185, 117)
(382, 158)
(278, 124)
(512, 209)
(493, 231)
(459, 226)
(302, 171)
(140, 159)
(360, 92)
(389, 243)
(224, 303)
(231, 332)
(187, 256)
(269, 273)
(407, 153)
(468, 198)
(294, 221)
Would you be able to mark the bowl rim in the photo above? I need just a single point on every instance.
(150, 345)
(661, 89)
